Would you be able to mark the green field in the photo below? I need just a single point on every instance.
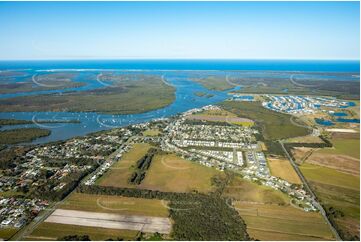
(15, 136)
(339, 193)
(273, 222)
(6, 233)
(125, 96)
(54, 231)
(274, 125)
(115, 204)
(329, 176)
(344, 146)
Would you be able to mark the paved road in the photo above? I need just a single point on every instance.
(28, 229)
(309, 190)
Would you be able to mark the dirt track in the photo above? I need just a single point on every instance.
(112, 221)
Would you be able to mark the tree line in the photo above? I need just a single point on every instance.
(142, 166)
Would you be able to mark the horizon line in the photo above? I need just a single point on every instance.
(156, 58)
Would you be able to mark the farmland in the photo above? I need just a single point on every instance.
(6, 233)
(343, 163)
(329, 176)
(274, 222)
(54, 231)
(344, 146)
(340, 195)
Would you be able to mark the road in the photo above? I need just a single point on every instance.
(309, 190)
(28, 229)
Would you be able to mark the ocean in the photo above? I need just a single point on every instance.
(261, 65)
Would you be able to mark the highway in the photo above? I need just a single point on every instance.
(309, 190)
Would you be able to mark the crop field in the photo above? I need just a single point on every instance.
(337, 192)
(246, 191)
(55, 231)
(274, 125)
(343, 163)
(274, 222)
(172, 173)
(116, 204)
(283, 169)
(119, 173)
(329, 176)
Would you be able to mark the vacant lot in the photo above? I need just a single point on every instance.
(174, 174)
(54, 231)
(246, 191)
(111, 221)
(275, 125)
(120, 172)
(283, 169)
(116, 204)
(274, 222)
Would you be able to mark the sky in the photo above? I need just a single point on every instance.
(171, 30)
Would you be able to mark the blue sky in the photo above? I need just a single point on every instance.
(235, 30)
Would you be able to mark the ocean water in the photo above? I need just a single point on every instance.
(176, 75)
(260, 65)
